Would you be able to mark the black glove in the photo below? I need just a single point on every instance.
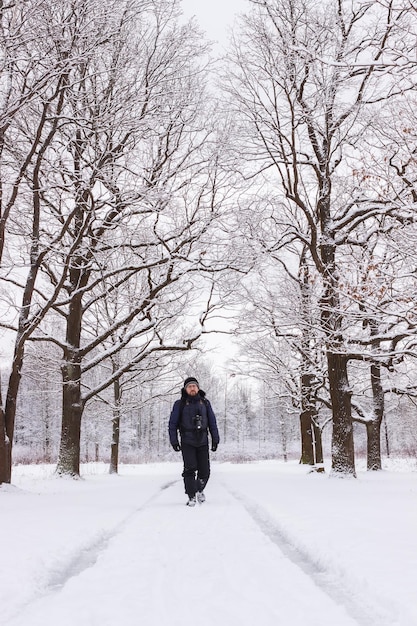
(214, 447)
(176, 447)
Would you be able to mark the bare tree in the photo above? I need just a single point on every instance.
(302, 77)
(283, 347)
(34, 74)
(118, 192)
(138, 164)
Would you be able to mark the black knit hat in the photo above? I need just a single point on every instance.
(191, 380)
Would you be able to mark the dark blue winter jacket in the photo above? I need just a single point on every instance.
(193, 417)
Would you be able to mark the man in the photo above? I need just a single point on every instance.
(192, 416)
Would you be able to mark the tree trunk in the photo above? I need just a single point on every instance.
(318, 446)
(308, 408)
(311, 442)
(343, 458)
(373, 432)
(386, 436)
(307, 445)
(8, 418)
(5, 451)
(72, 410)
(306, 423)
(9, 414)
(114, 455)
(72, 402)
(19, 347)
(373, 429)
(47, 422)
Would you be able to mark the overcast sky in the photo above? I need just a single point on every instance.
(215, 16)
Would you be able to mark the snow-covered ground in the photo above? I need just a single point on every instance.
(273, 545)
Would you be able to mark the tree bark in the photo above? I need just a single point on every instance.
(9, 414)
(308, 405)
(318, 443)
(373, 428)
(343, 459)
(373, 433)
(72, 402)
(307, 445)
(5, 451)
(72, 410)
(306, 421)
(114, 454)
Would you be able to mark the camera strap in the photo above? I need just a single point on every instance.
(191, 427)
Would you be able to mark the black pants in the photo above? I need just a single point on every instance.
(196, 468)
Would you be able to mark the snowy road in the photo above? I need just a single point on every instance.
(167, 564)
(126, 551)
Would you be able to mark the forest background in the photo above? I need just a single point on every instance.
(154, 196)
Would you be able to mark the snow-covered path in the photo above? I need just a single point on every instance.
(168, 564)
(126, 551)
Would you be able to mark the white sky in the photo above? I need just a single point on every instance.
(272, 545)
(214, 16)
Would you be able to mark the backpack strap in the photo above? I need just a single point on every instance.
(183, 402)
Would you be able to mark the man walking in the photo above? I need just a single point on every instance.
(192, 416)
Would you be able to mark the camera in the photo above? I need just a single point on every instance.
(198, 422)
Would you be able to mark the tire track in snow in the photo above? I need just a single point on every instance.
(362, 610)
(87, 556)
